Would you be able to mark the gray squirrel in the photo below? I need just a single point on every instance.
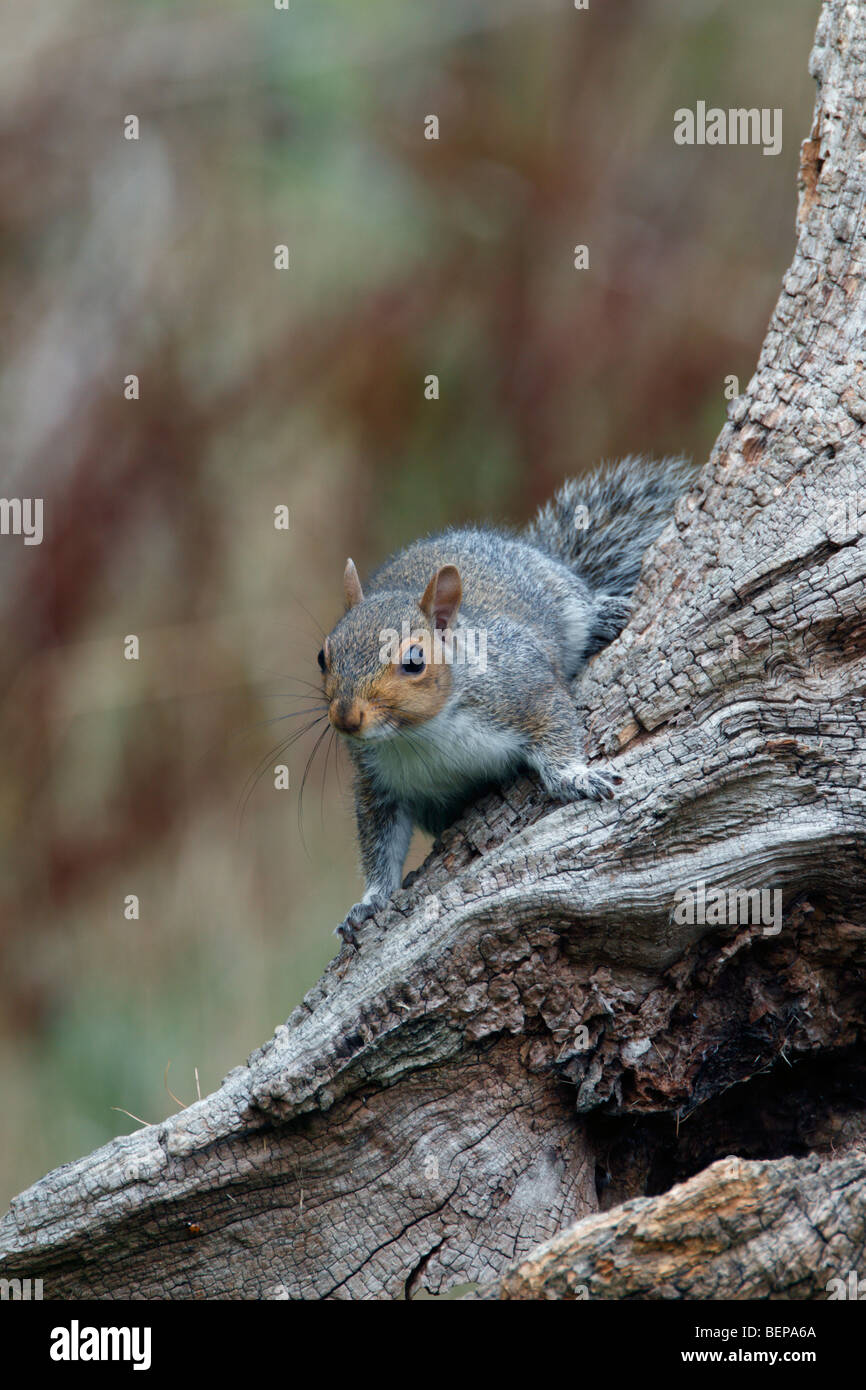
(449, 671)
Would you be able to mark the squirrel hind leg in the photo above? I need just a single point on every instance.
(610, 614)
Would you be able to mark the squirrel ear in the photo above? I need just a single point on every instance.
(441, 598)
(352, 586)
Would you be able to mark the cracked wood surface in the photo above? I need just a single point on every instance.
(424, 1118)
(792, 1229)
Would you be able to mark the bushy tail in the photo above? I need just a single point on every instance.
(600, 525)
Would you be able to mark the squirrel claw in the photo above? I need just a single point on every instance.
(599, 786)
(355, 916)
(346, 932)
(579, 783)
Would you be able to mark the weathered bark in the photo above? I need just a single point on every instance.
(795, 1228)
(530, 1033)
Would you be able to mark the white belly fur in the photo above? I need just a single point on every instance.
(436, 760)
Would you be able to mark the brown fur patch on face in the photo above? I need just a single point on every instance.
(413, 699)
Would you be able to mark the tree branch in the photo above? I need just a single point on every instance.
(735, 1231)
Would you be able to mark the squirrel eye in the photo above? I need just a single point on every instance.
(413, 662)
(321, 659)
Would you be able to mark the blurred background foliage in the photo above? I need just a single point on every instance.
(304, 388)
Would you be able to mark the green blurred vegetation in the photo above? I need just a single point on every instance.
(407, 257)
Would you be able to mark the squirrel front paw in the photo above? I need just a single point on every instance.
(577, 782)
(356, 915)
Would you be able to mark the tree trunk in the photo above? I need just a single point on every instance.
(536, 1032)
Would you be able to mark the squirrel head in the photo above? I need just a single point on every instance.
(384, 666)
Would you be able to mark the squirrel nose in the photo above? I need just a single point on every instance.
(345, 717)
